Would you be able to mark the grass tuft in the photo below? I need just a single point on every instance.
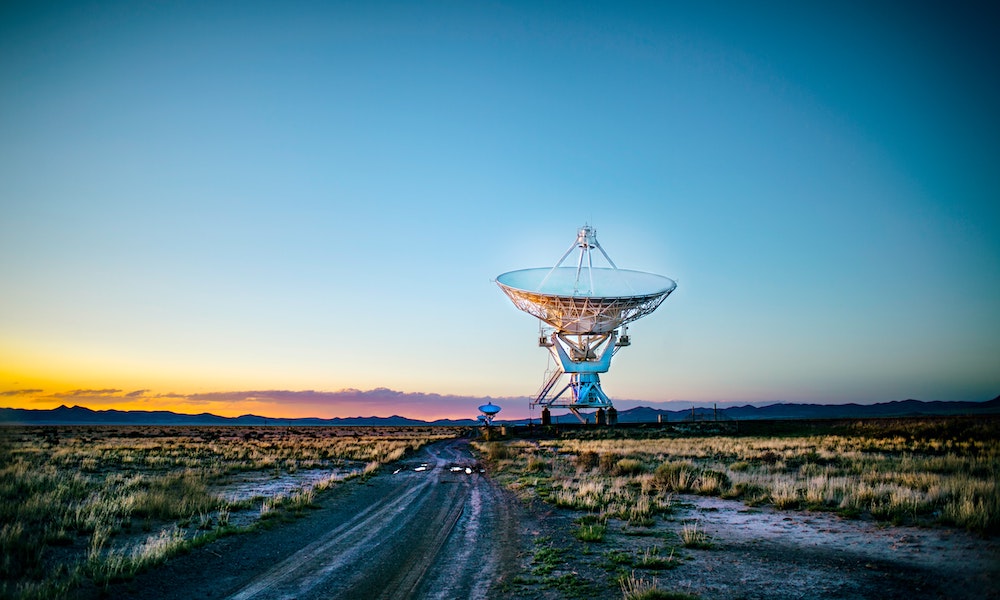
(693, 536)
(593, 532)
(638, 588)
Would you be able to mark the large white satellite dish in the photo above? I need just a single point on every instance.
(587, 309)
(603, 301)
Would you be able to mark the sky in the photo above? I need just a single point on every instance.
(298, 209)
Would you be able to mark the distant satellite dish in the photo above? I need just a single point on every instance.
(588, 309)
(489, 409)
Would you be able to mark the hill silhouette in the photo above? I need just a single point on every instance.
(79, 415)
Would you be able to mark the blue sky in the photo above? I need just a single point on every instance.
(206, 197)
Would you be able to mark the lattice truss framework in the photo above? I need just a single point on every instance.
(583, 315)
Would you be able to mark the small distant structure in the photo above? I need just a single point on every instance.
(488, 410)
(584, 312)
(706, 414)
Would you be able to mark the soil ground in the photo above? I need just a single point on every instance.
(758, 553)
(434, 526)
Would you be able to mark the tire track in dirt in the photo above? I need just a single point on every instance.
(437, 532)
(388, 549)
(317, 560)
(416, 565)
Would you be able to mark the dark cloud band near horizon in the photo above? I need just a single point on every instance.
(311, 403)
(344, 403)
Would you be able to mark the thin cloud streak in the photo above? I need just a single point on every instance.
(351, 402)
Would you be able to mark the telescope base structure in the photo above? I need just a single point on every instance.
(583, 366)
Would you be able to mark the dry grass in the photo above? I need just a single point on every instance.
(900, 471)
(115, 500)
(639, 588)
(692, 536)
(626, 482)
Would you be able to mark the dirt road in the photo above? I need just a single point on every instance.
(436, 528)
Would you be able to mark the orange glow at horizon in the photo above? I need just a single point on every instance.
(271, 410)
(44, 393)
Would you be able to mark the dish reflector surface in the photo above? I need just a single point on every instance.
(568, 281)
(489, 409)
(585, 301)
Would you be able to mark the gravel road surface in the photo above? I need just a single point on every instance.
(436, 528)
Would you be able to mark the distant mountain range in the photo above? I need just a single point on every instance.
(899, 408)
(78, 415)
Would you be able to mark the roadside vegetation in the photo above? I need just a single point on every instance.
(622, 482)
(898, 471)
(102, 503)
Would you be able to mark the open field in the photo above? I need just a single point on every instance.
(99, 504)
(875, 509)
(639, 507)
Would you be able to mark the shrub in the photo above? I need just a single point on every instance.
(496, 451)
(752, 494)
(675, 476)
(785, 495)
(176, 495)
(587, 460)
(628, 466)
(536, 464)
(608, 463)
(712, 483)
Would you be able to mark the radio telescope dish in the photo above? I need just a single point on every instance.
(587, 309)
(599, 301)
(489, 411)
